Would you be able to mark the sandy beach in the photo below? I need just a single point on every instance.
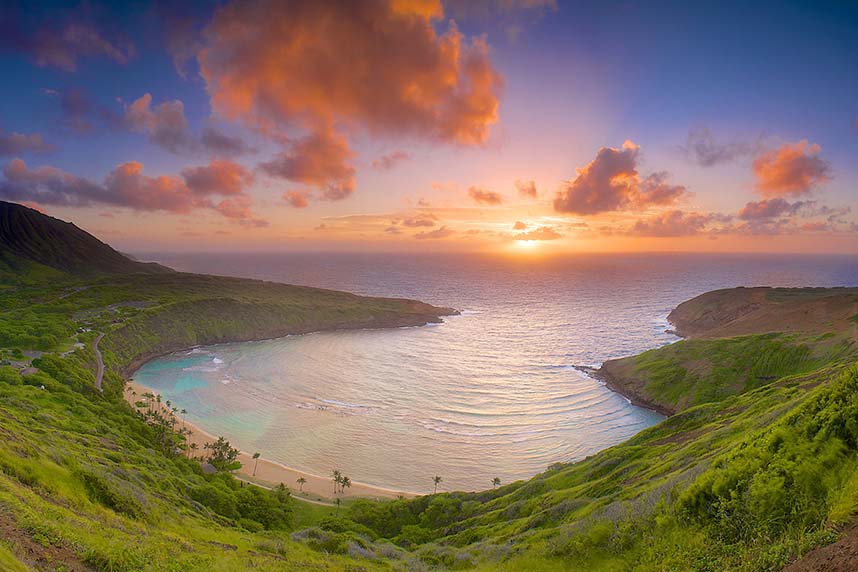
(270, 473)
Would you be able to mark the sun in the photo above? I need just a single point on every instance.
(525, 245)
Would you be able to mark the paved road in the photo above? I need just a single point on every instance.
(99, 374)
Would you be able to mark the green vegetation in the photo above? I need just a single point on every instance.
(757, 467)
(696, 371)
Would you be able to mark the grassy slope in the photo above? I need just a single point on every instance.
(87, 484)
(750, 477)
(738, 340)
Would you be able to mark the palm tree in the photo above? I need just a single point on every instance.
(345, 482)
(437, 480)
(336, 476)
(192, 449)
(495, 482)
(256, 462)
(301, 482)
(183, 412)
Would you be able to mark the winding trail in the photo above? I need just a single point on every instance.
(296, 497)
(99, 374)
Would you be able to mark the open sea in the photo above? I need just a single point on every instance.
(490, 393)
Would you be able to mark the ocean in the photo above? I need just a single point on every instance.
(491, 393)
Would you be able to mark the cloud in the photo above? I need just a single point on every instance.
(319, 159)
(541, 233)
(220, 177)
(17, 143)
(511, 16)
(674, 223)
(654, 190)
(611, 182)
(81, 114)
(127, 186)
(526, 189)
(47, 186)
(297, 199)
(239, 208)
(288, 69)
(387, 162)
(519, 225)
(770, 208)
(393, 230)
(165, 124)
(484, 197)
(791, 169)
(420, 220)
(702, 149)
(438, 233)
(220, 143)
(57, 38)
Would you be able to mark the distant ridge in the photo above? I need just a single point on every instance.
(26, 235)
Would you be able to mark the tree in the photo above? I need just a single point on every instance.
(301, 482)
(336, 477)
(495, 482)
(339, 501)
(184, 412)
(192, 449)
(345, 482)
(255, 462)
(437, 480)
(222, 455)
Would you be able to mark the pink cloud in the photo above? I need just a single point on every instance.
(527, 189)
(285, 67)
(791, 169)
(611, 182)
(484, 197)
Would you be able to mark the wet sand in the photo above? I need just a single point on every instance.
(271, 473)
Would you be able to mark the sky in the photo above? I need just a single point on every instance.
(526, 127)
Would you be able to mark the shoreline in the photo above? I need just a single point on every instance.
(317, 487)
(601, 375)
(127, 371)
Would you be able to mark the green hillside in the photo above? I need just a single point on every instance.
(27, 236)
(758, 465)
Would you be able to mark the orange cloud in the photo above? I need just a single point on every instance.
(165, 124)
(127, 186)
(318, 159)
(770, 208)
(297, 199)
(438, 233)
(527, 189)
(387, 162)
(541, 233)
(371, 66)
(484, 197)
(519, 225)
(420, 220)
(791, 169)
(220, 177)
(611, 182)
(673, 223)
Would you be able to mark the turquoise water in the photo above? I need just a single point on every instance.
(490, 393)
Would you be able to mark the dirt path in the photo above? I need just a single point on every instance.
(294, 496)
(99, 374)
(842, 556)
